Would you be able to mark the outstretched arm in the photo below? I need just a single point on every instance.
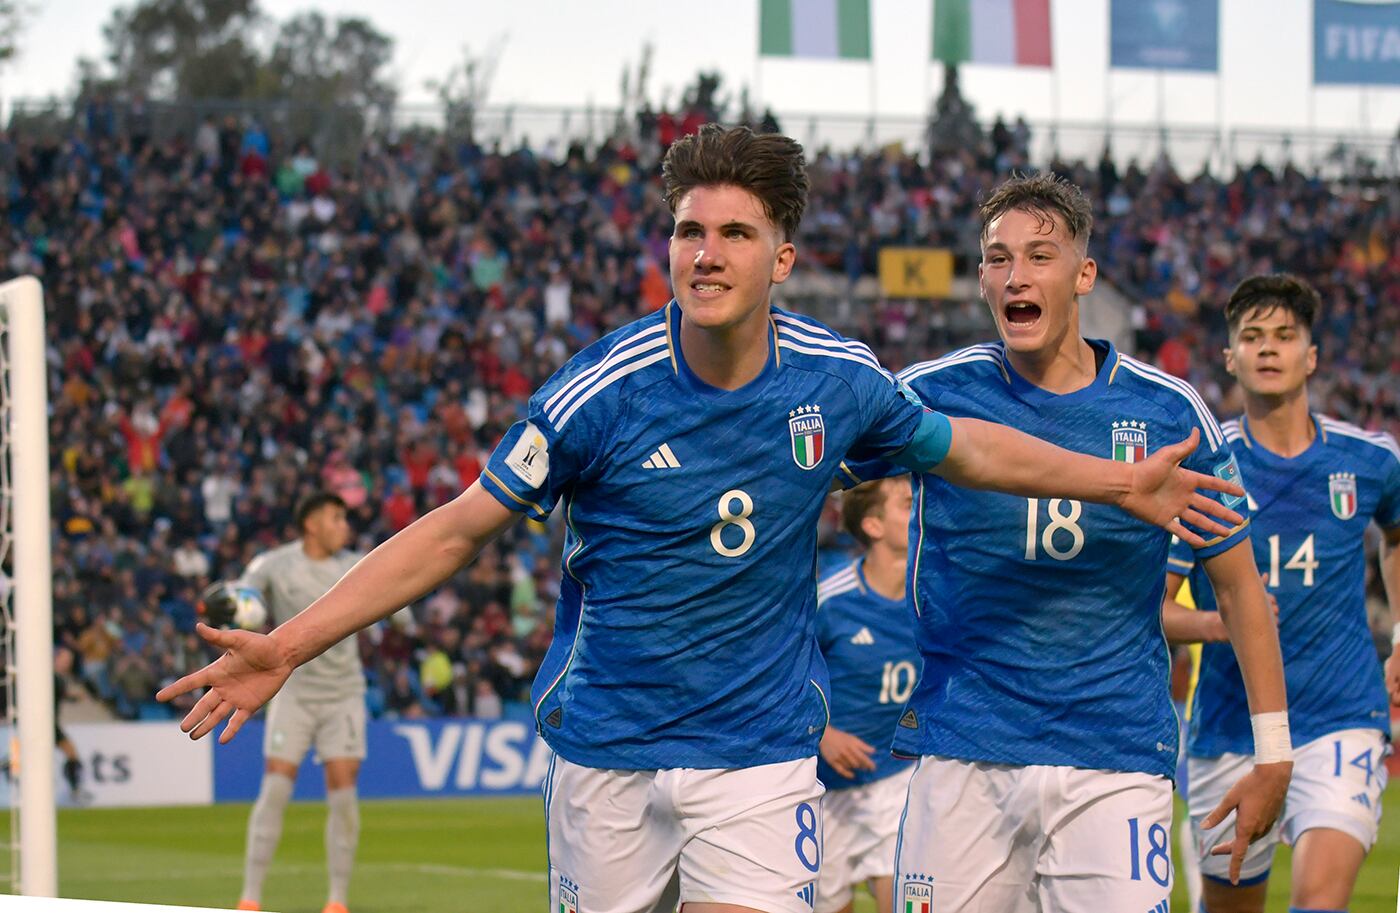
(413, 562)
(986, 455)
(1258, 796)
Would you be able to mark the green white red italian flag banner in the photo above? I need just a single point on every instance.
(834, 29)
(1006, 32)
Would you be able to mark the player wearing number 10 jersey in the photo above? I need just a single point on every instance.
(691, 452)
(1042, 718)
(866, 635)
(1314, 485)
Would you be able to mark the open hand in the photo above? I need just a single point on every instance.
(1165, 494)
(249, 673)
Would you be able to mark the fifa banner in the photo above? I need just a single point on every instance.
(916, 272)
(1356, 42)
(406, 759)
(131, 764)
(1165, 34)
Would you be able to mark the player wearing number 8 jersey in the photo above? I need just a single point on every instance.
(691, 451)
(1314, 484)
(1042, 719)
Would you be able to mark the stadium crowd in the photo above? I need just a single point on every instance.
(234, 321)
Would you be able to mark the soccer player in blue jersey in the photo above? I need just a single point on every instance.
(1315, 484)
(866, 636)
(1042, 718)
(683, 694)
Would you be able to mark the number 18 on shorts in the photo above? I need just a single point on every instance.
(981, 837)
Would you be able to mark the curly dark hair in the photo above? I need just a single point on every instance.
(768, 165)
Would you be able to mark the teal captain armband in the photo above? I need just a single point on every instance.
(929, 446)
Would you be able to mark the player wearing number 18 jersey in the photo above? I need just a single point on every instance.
(1314, 485)
(1042, 718)
(691, 451)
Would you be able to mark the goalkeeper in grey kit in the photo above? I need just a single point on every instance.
(321, 707)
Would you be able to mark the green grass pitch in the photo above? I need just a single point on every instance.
(464, 856)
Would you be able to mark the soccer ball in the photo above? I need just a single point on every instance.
(225, 604)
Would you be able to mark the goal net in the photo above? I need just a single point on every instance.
(26, 595)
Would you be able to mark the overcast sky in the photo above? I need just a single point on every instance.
(570, 52)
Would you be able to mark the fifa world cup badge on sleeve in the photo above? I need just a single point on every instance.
(529, 458)
(1129, 441)
(1341, 490)
(808, 433)
(918, 894)
(1230, 472)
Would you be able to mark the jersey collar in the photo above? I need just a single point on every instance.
(1259, 451)
(690, 381)
(1029, 392)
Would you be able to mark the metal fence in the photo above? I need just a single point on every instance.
(340, 132)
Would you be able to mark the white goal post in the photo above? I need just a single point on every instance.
(28, 601)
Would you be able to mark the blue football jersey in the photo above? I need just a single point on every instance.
(1039, 620)
(685, 627)
(868, 643)
(1310, 513)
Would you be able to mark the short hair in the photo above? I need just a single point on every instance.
(858, 503)
(314, 502)
(1266, 293)
(768, 165)
(1045, 196)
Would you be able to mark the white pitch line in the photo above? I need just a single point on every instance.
(420, 868)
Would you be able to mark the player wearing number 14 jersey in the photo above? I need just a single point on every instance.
(691, 451)
(1314, 485)
(1042, 721)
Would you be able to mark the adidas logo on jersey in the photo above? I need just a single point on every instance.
(863, 637)
(662, 458)
(808, 894)
(1362, 798)
(1162, 907)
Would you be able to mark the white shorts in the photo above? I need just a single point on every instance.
(336, 729)
(642, 841)
(862, 826)
(996, 838)
(1337, 783)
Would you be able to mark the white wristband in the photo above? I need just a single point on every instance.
(1272, 743)
(1395, 636)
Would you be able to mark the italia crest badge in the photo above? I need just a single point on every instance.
(568, 900)
(1129, 441)
(918, 896)
(808, 433)
(1341, 489)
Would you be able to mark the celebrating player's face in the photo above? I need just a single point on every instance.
(725, 255)
(1270, 353)
(1031, 274)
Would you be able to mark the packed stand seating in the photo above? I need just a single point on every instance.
(234, 321)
